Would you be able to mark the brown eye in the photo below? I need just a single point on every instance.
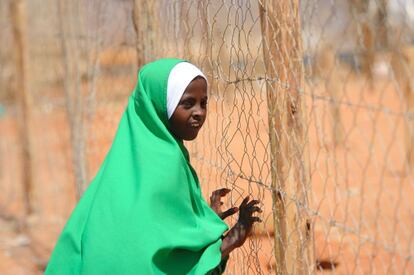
(187, 103)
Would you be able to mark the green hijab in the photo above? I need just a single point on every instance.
(144, 212)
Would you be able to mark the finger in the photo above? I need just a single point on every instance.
(229, 212)
(217, 194)
(244, 202)
(216, 203)
(255, 219)
(222, 192)
(255, 209)
(253, 202)
(214, 200)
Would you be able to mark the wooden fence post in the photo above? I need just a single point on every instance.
(282, 50)
(146, 29)
(18, 18)
(326, 61)
(402, 64)
(70, 31)
(206, 53)
(365, 40)
(381, 36)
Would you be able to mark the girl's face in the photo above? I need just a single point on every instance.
(191, 111)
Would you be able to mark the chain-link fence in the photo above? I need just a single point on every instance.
(310, 111)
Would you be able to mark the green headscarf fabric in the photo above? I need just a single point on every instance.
(144, 212)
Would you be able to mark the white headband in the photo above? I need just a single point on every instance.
(178, 80)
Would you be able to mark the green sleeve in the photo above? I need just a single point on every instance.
(220, 268)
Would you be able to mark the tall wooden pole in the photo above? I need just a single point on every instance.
(282, 50)
(18, 18)
(365, 37)
(402, 64)
(325, 60)
(70, 31)
(206, 53)
(381, 39)
(145, 20)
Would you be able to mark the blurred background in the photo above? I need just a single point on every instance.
(310, 110)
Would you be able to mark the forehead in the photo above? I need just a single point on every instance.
(198, 86)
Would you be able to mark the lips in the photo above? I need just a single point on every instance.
(196, 125)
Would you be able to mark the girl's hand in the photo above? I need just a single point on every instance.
(241, 230)
(216, 203)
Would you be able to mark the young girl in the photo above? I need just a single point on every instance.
(144, 212)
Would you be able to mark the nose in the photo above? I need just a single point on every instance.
(199, 113)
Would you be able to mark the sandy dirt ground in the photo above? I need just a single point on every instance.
(361, 194)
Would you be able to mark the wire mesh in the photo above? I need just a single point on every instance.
(310, 111)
